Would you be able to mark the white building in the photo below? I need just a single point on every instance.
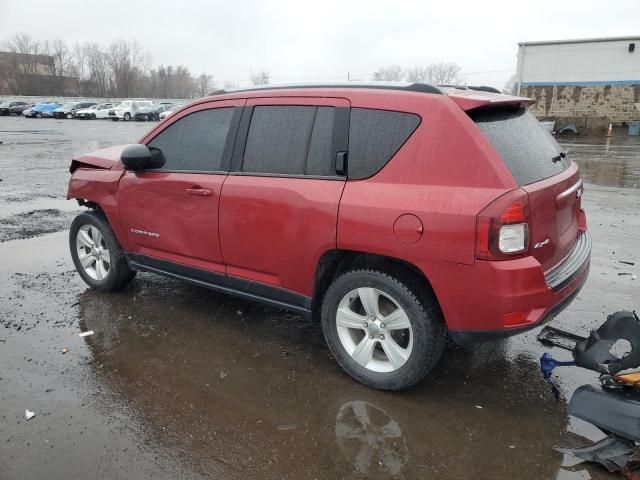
(595, 79)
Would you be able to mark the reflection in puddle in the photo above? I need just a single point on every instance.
(606, 161)
(370, 439)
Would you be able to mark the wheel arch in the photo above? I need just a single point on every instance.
(334, 263)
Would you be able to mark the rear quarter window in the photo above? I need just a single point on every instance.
(524, 146)
(374, 138)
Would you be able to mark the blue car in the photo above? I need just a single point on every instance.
(40, 110)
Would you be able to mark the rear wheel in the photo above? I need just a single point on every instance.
(96, 253)
(386, 332)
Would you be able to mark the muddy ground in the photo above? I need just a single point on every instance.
(180, 382)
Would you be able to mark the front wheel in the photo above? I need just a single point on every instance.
(96, 253)
(127, 117)
(93, 116)
(69, 116)
(385, 331)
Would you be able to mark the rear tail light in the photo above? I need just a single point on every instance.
(502, 228)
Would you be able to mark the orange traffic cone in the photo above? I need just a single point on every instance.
(610, 131)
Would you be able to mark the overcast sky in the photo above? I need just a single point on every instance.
(323, 40)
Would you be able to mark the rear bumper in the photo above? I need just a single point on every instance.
(502, 298)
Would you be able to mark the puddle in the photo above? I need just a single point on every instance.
(612, 162)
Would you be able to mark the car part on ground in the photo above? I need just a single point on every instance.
(614, 406)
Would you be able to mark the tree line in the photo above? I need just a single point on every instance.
(120, 69)
(444, 73)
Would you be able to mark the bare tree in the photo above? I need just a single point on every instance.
(18, 73)
(99, 72)
(204, 84)
(128, 63)
(388, 74)
(62, 58)
(259, 78)
(417, 74)
(444, 73)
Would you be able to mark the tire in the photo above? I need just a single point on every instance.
(92, 117)
(421, 344)
(69, 116)
(91, 228)
(38, 115)
(127, 116)
(115, 119)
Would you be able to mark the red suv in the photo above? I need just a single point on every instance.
(395, 214)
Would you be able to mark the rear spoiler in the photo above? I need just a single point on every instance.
(470, 98)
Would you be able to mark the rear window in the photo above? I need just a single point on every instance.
(525, 147)
(374, 137)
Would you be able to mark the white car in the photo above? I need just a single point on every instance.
(172, 110)
(100, 110)
(127, 109)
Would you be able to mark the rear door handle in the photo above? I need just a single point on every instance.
(199, 192)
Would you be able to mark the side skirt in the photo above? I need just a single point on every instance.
(239, 287)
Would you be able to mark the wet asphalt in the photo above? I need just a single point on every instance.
(180, 382)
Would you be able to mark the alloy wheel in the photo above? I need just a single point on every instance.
(374, 329)
(93, 252)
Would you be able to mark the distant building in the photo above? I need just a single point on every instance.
(26, 74)
(590, 81)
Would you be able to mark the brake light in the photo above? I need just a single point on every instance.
(502, 228)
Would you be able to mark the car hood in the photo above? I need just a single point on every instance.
(104, 159)
(85, 110)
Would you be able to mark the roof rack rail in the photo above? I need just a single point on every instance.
(405, 86)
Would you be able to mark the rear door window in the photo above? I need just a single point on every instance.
(374, 138)
(524, 146)
(290, 140)
(195, 142)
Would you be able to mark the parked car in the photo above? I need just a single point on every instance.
(99, 110)
(41, 110)
(170, 111)
(151, 113)
(395, 214)
(68, 109)
(17, 108)
(127, 109)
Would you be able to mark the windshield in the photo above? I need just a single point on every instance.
(174, 108)
(530, 152)
(68, 105)
(122, 105)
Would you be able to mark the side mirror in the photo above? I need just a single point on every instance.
(139, 157)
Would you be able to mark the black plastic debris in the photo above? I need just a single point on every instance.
(604, 350)
(611, 452)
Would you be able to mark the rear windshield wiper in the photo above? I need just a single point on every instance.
(559, 157)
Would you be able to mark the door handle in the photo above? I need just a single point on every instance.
(199, 192)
